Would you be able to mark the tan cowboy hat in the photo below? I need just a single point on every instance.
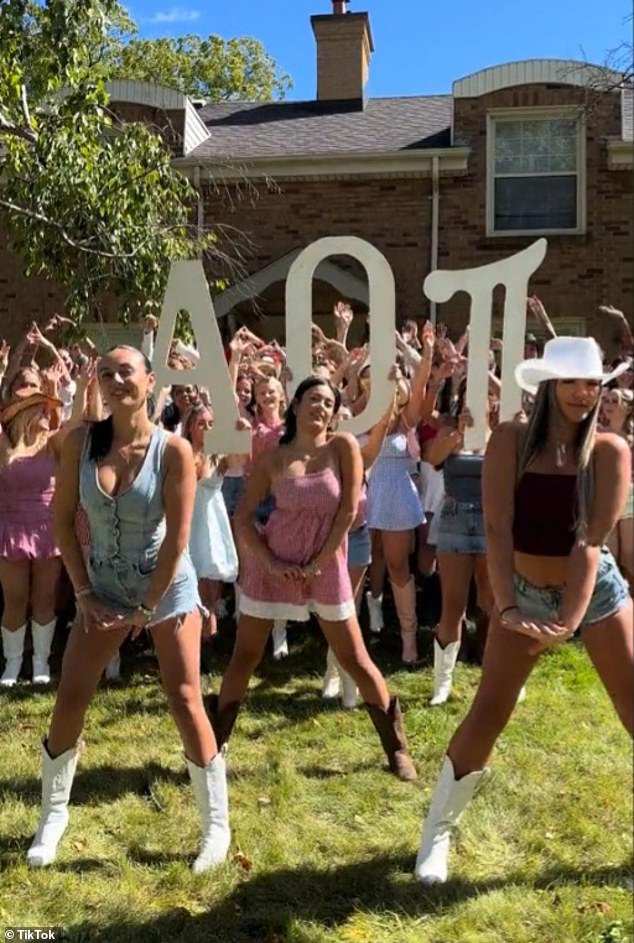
(25, 399)
(565, 358)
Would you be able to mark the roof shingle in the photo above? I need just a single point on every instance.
(288, 129)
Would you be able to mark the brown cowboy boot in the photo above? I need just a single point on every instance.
(222, 721)
(389, 726)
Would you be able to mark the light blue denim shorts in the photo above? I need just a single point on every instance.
(611, 593)
(359, 546)
(461, 528)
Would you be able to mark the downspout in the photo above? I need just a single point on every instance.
(200, 208)
(435, 197)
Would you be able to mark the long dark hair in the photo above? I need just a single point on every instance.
(290, 420)
(101, 433)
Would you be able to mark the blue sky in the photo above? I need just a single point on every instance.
(421, 46)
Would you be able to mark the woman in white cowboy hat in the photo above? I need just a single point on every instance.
(553, 490)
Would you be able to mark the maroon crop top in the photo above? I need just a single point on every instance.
(545, 514)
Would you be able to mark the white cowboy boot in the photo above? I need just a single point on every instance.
(13, 649)
(57, 781)
(210, 789)
(375, 612)
(444, 664)
(331, 684)
(448, 802)
(42, 641)
(113, 668)
(280, 644)
(349, 690)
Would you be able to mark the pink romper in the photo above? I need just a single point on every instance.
(27, 486)
(305, 509)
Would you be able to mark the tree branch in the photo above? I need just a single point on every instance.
(79, 246)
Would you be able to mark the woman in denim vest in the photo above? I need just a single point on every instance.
(135, 483)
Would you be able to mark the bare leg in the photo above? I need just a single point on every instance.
(177, 644)
(251, 638)
(347, 643)
(15, 577)
(357, 576)
(396, 547)
(45, 577)
(455, 571)
(86, 656)
(426, 553)
(377, 567)
(507, 665)
(610, 645)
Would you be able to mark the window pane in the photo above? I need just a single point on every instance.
(535, 203)
(521, 147)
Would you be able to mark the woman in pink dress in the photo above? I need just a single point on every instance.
(30, 563)
(296, 564)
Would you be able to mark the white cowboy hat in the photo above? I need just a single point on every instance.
(565, 358)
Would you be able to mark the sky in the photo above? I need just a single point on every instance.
(421, 46)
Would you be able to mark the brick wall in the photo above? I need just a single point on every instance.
(393, 214)
(580, 271)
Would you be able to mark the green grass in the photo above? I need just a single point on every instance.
(543, 854)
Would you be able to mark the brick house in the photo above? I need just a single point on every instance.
(516, 151)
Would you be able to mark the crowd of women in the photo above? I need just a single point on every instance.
(156, 535)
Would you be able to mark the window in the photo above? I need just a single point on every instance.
(535, 164)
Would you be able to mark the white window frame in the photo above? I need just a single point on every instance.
(520, 114)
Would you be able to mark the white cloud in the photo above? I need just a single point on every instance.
(174, 15)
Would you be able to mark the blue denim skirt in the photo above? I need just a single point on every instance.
(359, 546)
(461, 528)
(611, 593)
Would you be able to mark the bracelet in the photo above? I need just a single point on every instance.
(507, 609)
(83, 592)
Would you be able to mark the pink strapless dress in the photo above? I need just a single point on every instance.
(27, 487)
(305, 509)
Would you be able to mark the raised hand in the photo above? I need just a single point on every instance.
(343, 314)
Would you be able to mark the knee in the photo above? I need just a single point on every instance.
(246, 658)
(184, 700)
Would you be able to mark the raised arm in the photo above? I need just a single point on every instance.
(414, 409)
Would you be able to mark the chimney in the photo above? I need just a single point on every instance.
(344, 49)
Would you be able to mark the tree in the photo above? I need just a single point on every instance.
(88, 201)
(213, 69)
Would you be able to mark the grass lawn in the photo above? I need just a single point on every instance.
(324, 840)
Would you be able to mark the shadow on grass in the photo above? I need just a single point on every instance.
(93, 785)
(266, 907)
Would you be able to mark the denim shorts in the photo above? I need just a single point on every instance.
(611, 593)
(359, 546)
(232, 491)
(461, 528)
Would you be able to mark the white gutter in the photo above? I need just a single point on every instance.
(412, 162)
(435, 216)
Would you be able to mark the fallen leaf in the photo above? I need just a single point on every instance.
(263, 801)
(596, 907)
(241, 859)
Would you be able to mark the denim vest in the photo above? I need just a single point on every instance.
(126, 533)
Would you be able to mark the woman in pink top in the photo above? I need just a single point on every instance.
(297, 563)
(29, 558)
